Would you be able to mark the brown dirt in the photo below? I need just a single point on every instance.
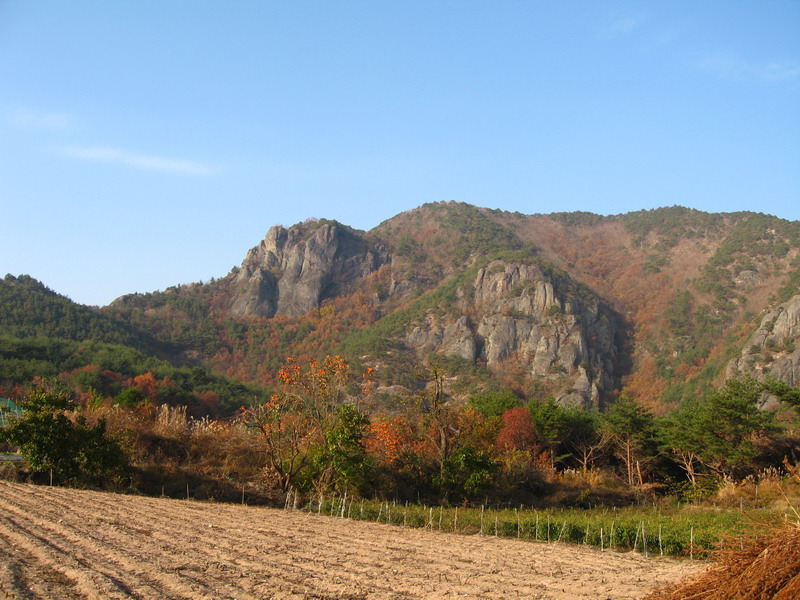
(66, 543)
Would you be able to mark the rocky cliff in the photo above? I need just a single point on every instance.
(773, 351)
(293, 270)
(516, 313)
(511, 313)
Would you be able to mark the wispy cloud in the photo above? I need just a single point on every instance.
(40, 120)
(136, 160)
(731, 67)
(779, 71)
(621, 26)
(666, 37)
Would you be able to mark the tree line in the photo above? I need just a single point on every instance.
(315, 434)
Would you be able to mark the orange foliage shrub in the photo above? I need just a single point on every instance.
(388, 440)
(147, 384)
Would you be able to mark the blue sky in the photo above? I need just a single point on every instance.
(146, 144)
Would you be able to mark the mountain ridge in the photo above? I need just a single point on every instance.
(519, 297)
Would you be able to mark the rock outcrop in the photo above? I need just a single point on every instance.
(774, 349)
(515, 312)
(293, 270)
(511, 313)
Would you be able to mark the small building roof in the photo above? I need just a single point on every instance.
(8, 407)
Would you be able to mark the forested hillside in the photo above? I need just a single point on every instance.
(29, 309)
(653, 305)
(47, 336)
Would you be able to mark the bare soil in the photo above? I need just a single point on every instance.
(69, 544)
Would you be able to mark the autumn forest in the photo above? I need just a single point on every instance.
(452, 355)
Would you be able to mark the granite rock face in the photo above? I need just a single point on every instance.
(514, 312)
(773, 351)
(511, 315)
(294, 270)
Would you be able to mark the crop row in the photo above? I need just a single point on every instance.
(674, 531)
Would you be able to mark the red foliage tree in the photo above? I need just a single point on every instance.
(517, 432)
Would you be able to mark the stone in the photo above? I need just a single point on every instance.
(292, 271)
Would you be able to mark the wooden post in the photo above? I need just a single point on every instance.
(548, 528)
(644, 540)
(563, 527)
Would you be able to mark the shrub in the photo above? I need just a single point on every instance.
(68, 450)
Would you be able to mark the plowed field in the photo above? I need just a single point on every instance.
(58, 543)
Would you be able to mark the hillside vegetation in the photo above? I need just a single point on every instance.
(47, 336)
(452, 354)
(683, 288)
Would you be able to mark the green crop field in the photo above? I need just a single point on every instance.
(674, 530)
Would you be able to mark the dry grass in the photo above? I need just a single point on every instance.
(766, 568)
(772, 487)
(177, 455)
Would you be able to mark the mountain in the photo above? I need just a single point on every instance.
(652, 304)
(657, 305)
